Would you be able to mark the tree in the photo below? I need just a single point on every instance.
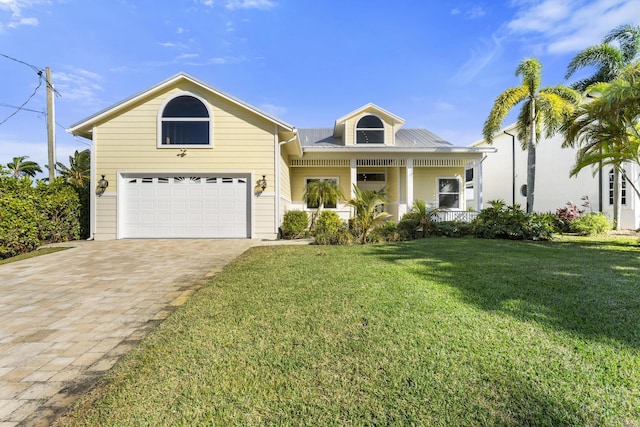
(320, 192)
(606, 129)
(424, 215)
(20, 167)
(365, 205)
(547, 107)
(78, 173)
(607, 58)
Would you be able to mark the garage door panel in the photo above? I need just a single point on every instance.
(187, 207)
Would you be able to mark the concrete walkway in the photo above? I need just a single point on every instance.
(67, 317)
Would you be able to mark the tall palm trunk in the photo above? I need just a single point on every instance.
(531, 159)
(617, 197)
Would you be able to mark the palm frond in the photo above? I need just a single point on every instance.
(531, 72)
(628, 38)
(501, 107)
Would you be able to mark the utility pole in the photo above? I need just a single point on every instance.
(51, 126)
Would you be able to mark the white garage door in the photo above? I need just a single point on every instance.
(184, 207)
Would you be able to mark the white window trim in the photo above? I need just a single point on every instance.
(160, 120)
(461, 194)
(304, 201)
(383, 130)
(623, 184)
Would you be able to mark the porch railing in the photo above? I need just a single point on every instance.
(464, 216)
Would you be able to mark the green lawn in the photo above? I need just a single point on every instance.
(435, 332)
(33, 254)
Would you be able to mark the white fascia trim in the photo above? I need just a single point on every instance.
(388, 149)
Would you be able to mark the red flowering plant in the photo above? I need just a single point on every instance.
(564, 216)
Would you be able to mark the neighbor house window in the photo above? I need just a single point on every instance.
(370, 130)
(185, 121)
(312, 204)
(623, 193)
(449, 193)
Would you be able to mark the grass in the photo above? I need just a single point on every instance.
(435, 332)
(32, 254)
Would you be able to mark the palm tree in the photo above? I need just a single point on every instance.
(424, 215)
(607, 58)
(321, 192)
(20, 166)
(547, 107)
(366, 215)
(606, 129)
(78, 173)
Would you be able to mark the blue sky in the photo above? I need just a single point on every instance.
(437, 64)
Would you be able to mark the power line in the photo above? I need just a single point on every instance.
(38, 71)
(18, 109)
(2, 104)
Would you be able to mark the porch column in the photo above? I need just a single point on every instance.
(479, 186)
(354, 176)
(409, 184)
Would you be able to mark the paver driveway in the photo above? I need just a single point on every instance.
(67, 317)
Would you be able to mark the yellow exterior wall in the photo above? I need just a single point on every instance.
(242, 142)
(298, 176)
(105, 217)
(350, 128)
(425, 181)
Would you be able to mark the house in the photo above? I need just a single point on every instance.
(183, 159)
(505, 177)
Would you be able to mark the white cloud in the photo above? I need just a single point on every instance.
(480, 57)
(250, 4)
(222, 60)
(16, 9)
(475, 12)
(565, 26)
(274, 110)
(455, 11)
(81, 86)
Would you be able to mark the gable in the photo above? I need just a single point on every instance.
(180, 81)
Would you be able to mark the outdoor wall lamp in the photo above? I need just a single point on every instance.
(102, 186)
(263, 182)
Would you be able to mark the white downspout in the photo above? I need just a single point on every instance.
(278, 145)
(92, 186)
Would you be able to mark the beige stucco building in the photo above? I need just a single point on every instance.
(183, 159)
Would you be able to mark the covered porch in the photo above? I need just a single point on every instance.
(439, 180)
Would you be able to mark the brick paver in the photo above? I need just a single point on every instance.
(67, 317)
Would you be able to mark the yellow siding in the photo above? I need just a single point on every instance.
(350, 128)
(426, 181)
(264, 226)
(298, 176)
(105, 218)
(285, 181)
(241, 142)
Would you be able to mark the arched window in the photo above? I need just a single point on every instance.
(185, 121)
(370, 130)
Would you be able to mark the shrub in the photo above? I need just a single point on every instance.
(18, 217)
(565, 216)
(388, 232)
(294, 224)
(591, 224)
(509, 222)
(408, 228)
(452, 228)
(327, 227)
(60, 211)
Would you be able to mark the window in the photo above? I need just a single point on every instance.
(370, 130)
(185, 120)
(623, 193)
(449, 193)
(312, 204)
